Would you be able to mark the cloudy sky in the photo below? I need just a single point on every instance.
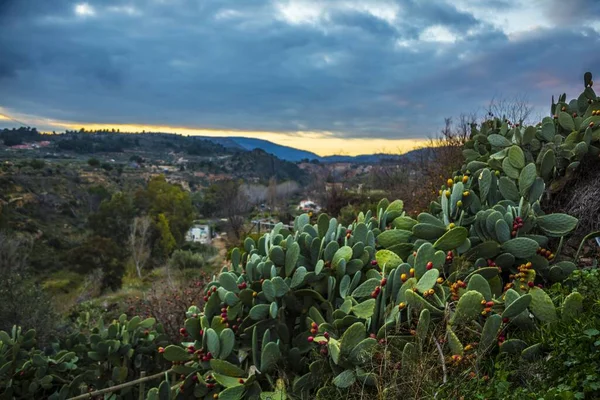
(329, 76)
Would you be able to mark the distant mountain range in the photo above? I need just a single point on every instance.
(292, 154)
(284, 152)
(195, 145)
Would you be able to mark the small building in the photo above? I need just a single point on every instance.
(21, 147)
(166, 168)
(308, 205)
(199, 233)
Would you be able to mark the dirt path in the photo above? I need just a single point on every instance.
(221, 246)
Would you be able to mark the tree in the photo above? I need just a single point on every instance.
(12, 140)
(437, 161)
(136, 158)
(516, 109)
(393, 179)
(226, 199)
(95, 196)
(235, 205)
(329, 194)
(22, 301)
(207, 201)
(114, 217)
(139, 242)
(161, 197)
(94, 162)
(99, 253)
(272, 193)
(37, 164)
(166, 241)
(3, 215)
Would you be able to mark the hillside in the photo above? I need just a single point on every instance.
(412, 155)
(204, 160)
(284, 152)
(157, 145)
(292, 154)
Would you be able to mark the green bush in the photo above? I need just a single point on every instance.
(22, 301)
(182, 259)
(569, 368)
(586, 282)
(92, 357)
(205, 249)
(37, 164)
(99, 253)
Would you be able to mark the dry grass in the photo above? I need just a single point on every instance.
(433, 376)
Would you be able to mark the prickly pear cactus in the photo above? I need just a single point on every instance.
(319, 301)
(312, 306)
(104, 357)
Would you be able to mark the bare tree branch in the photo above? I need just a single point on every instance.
(139, 242)
(516, 109)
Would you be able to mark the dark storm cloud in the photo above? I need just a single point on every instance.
(531, 69)
(248, 65)
(428, 12)
(365, 22)
(573, 11)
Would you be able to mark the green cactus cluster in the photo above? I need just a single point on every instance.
(301, 313)
(316, 304)
(552, 150)
(102, 357)
(320, 302)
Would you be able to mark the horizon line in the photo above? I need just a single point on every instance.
(326, 143)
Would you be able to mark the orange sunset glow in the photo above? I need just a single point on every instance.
(321, 143)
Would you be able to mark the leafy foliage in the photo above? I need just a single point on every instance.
(161, 197)
(99, 253)
(95, 356)
(315, 306)
(332, 287)
(113, 219)
(13, 137)
(22, 301)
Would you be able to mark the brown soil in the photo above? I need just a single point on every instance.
(581, 199)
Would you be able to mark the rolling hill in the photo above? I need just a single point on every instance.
(292, 154)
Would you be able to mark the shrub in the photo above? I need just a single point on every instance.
(94, 162)
(37, 164)
(569, 367)
(93, 357)
(182, 259)
(168, 304)
(99, 253)
(206, 250)
(22, 301)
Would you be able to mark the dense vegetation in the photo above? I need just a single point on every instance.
(472, 298)
(204, 155)
(13, 137)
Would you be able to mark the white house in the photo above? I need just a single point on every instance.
(308, 205)
(199, 233)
